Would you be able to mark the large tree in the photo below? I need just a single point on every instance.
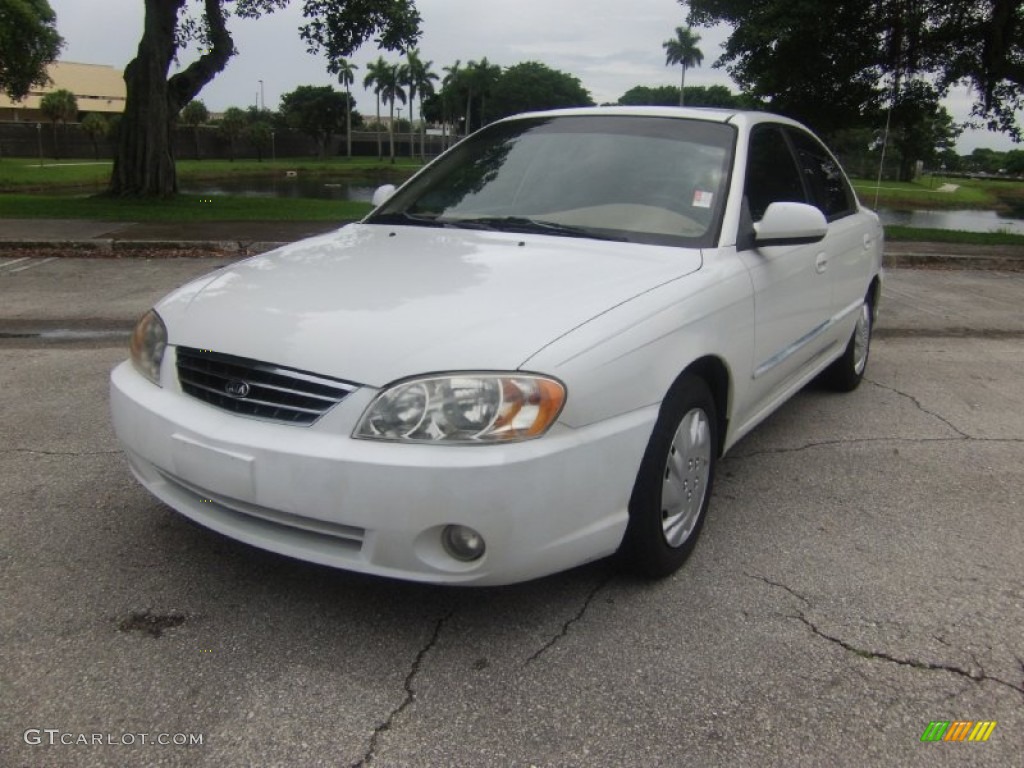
(144, 165)
(28, 43)
(834, 67)
(534, 86)
(317, 111)
(682, 50)
(696, 96)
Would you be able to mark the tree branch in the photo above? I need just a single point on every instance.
(184, 86)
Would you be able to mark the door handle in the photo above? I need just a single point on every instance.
(821, 263)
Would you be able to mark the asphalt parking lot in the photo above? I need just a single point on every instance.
(860, 576)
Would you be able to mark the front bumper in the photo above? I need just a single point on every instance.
(316, 494)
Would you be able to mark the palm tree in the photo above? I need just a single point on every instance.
(347, 76)
(450, 83)
(376, 74)
(59, 106)
(412, 64)
(391, 91)
(683, 50)
(420, 77)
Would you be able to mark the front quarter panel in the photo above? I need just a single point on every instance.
(628, 358)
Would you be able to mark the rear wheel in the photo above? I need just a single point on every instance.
(846, 373)
(673, 487)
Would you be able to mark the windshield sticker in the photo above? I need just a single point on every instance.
(702, 199)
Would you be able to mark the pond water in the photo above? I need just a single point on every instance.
(968, 221)
(361, 189)
(323, 187)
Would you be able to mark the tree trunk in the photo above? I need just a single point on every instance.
(423, 133)
(380, 148)
(391, 130)
(348, 122)
(682, 86)
(144, 163)
(412, 134)
(907, 168)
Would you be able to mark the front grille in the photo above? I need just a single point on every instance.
(262, 390)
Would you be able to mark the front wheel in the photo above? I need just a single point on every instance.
(846, 373)
(673, 487)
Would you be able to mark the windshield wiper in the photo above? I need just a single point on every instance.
(525, 224)
(408, 219)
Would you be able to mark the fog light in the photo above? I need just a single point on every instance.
(462, 543)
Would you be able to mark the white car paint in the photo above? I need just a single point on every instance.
(616, 322)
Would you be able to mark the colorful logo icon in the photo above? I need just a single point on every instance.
(958, 730)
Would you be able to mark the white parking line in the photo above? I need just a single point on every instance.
(7, 264)
(38, 263)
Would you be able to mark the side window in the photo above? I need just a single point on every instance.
(772, 175)
(831, 192)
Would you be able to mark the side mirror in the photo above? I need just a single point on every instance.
(382, 194)
(790, 224)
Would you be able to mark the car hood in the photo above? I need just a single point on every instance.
(372, 303)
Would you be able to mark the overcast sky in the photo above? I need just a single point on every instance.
(610, 45)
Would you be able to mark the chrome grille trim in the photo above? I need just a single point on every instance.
(276, 392)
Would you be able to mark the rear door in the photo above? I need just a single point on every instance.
(851, 234)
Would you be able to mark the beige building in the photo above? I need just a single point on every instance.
(97, 87)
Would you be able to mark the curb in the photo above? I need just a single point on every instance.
(911, 260)
(110, 248)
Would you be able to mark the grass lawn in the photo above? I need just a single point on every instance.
(924, 194)
(28, 175)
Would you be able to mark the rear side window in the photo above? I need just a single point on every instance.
(772, 175)
(825, 181)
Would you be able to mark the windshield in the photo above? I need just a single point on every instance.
(639, 179)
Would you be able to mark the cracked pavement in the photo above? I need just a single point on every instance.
(859, 576)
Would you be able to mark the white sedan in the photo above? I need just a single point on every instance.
(529, 356)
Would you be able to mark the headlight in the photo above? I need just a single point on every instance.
(464, 408)
(149, 340)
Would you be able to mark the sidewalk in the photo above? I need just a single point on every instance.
(247, 238)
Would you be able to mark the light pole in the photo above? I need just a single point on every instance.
(263, 101)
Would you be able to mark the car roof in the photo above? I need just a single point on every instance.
(738, 117)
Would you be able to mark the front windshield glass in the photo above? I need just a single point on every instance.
(639, 179)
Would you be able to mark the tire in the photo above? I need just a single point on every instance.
(673, 487)
(846, 373)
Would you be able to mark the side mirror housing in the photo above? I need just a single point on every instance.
(790, 224)
(382, 194)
